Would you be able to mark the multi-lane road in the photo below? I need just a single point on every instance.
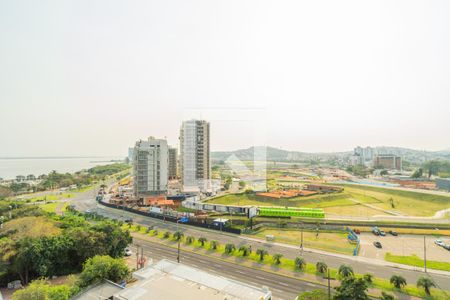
(378, 270)
(282, 287)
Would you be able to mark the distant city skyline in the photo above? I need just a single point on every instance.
(91, 78)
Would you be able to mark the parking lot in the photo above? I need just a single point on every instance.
(403, 245)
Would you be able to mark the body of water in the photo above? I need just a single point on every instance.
(11, 167)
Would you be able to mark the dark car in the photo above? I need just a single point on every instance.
(129, 220)
(377, 244)
(394, 233)
(446, 247)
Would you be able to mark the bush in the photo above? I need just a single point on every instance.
(313, 295)
(368, 278)
(190, 239)
(166, 235)
(41, 290)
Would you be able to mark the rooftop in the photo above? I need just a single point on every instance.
(170, 280)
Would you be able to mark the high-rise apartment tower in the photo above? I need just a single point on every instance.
(195, 165)
(150, 167)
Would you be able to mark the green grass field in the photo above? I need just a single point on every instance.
(414, 260)
(405, 202)
(51, 207)
(328, 241)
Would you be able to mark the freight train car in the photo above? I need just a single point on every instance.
(291, 212)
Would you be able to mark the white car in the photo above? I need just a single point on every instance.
(128, 252)
(439, 243)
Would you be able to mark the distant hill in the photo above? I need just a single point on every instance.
(275, 154)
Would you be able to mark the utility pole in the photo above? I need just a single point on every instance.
(301, 241)
(137, 257)
(329, 285)
(142, 257)
(424, 254)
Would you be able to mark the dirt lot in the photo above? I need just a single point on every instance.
(403, 245)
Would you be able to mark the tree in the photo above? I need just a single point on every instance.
(351, 288)
(313, 295)
(300, 263)
(417, 173)
(98, 268)
(202, 241)
(229, 248)
(190, 239)
(245, 250)
(368, 278)
(166, 235)
(178, 235)
(321, 267)
(261, 253)
(384, 173)
(432, 167)
(426, 283)
(277, 258)
(386, 296)
(214, 245)
(41, 290)
(116, 238)
(241, 184)
(87, 243)
(345, 271)
(397, 281)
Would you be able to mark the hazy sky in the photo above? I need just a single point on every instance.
(91, 77)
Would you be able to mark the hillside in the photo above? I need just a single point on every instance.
(275, 154)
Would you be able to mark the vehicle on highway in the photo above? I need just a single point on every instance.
(376, 231)
(439, 243)
(129, 220)
(377, 244)
(446, 247)
(394, 233)
(357, 231)
(128, 252)
(382, 233)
